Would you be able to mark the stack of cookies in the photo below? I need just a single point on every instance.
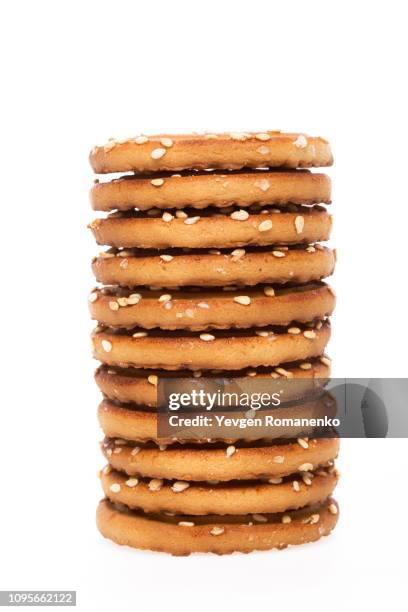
(214, 267)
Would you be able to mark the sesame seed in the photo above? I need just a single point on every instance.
(197, 374)
(179, 486)
(275, 481)
(303, 443)
(167, 217)
(284, 372)
(299, 224)
(305, 366)
(305, 467)
(309, 333)
(203, 305)
(279, 459)
(278, 253)
(239, 215)
(269, 291)
(113, 305)
(134, 298)
(286, 519)
(296, 486)
(263, 184)
(120, 442)
(157, 153)
(264, 226)
(132, 482)
(300, 142)
(186, 524)
(319, 325)
(214, 252)
(107, 346)
(93, 296)
(122, 301)
(251, 373)
(244, 300)
(263, 150)
(157, 182)
(166, 297)
(325, 361)
(260, 518)
(191, 220)
(152, 379)
(333, 509)
(216, 531)
(262, 333)
(166, 142)
(166, 257)
(141, 140)
(117, 451)
(141, 334)
(115, 487)
(332, 291)
(135, 450)
(107, 469)
(238, 253)
(294, 330)
(314, 519)
(180, 214)
(230, 451)
(262, 136)
(239, 135)
(207, 337)
(306, 479)
(155, 484)
(310, 249)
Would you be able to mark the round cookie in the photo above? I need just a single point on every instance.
(130, 385)
(204, 268)
(234, 151)
(140, 425)
(237, 497)
(183, 535)
(204, 309)
(238, 228)
(200, 190)
(219, 350)
(215, 462)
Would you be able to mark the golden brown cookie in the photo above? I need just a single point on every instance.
(250, 266)
(130, 385)
(217, 461)
(135, 423)
(218, 350)
(234, 150)
(236, 497)
(232, 228)
(203, 189)
(183, 535)
(198, 310)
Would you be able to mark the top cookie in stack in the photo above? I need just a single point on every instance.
(215, 263)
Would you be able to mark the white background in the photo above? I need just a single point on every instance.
(76, 73)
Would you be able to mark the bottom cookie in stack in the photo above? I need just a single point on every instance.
(184, 534)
